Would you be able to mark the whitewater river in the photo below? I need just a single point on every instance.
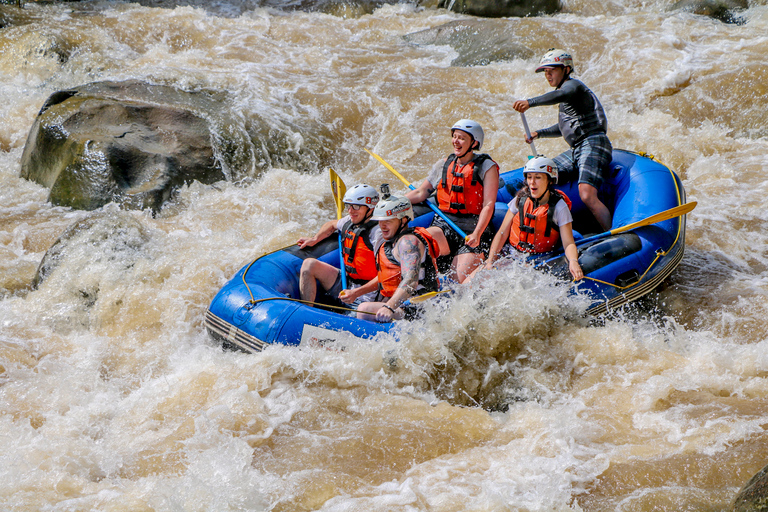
(114, 398)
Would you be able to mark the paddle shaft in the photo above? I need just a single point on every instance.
(434, 207)
(528, 133)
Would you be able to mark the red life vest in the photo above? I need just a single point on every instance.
(359, 259)
(533, 228)
(389, 268)
(462, 191)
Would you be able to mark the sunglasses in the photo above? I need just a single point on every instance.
(353, 206)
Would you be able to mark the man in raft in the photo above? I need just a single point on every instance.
(405, 261)
(359, 235)
(583, 125)
(538, 219)
(466, 183)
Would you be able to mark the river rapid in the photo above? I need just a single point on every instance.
(114, 398)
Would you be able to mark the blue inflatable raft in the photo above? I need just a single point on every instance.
(260, 304)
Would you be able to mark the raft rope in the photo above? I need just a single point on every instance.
(659, 252)
(256, 301)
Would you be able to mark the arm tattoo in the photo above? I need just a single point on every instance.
(410, 263)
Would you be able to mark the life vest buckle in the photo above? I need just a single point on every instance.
(528, 229)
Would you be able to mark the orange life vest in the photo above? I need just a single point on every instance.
(533, 228)
(461, 191)
(359, 259)
(389, 268)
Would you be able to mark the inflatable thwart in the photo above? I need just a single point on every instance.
(260, 305)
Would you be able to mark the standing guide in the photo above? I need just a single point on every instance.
(583, 125)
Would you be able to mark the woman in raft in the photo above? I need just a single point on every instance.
(539, 217)
(466, 183)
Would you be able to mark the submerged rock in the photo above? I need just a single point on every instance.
(478, 42)
(723, 10)
(10, 14)
(131, 143)
(111, 239)
(502, 8)
(343, 8)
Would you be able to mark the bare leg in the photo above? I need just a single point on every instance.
(367, 310)
(465, 264)
(313, 271)
(442, 242)
(588, 195)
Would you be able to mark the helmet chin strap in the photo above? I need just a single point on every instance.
(471, 147)
(537, 200)
(400, 227)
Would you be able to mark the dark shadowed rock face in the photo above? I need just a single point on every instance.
(723, 10)
(753, 497)
(131, 143)
(502, 8)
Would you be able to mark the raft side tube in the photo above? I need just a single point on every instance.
(598, 254)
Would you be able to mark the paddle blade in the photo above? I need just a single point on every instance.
(339, 189)
(426, 296)
(677, 211)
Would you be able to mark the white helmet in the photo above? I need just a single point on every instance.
(362, 194)
(542, 164)
(555, 57)
(393, 207)
(472, 128)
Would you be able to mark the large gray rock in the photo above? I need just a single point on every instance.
(753, 497)
(723, 10)
(131, 143)
(477, 41)
(502, 8)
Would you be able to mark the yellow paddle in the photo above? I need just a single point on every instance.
(339, 189)
(677, 211)
(434, 208)
(426, 296)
